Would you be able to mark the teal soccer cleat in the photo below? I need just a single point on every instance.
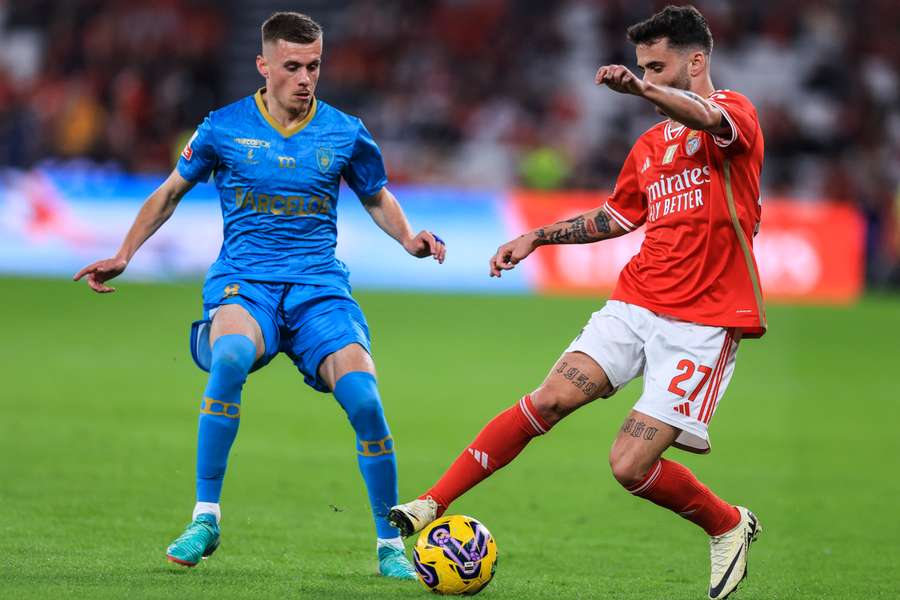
(392, 562)
(199, 540)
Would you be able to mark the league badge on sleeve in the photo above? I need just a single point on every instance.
(324, 158)
(188, 152)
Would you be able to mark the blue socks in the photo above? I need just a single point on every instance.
(220, 412)
(357, 393)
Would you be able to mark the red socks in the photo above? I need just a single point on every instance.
(667, 483)
(673, 486)
(496, 445)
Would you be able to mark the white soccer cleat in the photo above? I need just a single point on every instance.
(728, 554)
(413, 516)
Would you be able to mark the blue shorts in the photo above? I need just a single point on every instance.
(306, 322)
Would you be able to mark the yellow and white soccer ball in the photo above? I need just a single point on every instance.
(455, 556)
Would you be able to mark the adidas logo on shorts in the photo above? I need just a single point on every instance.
(684, 409)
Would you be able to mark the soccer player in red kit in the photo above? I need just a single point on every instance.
(680, 306)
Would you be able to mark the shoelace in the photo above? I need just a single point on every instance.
(720, 557)
(189, 533)
(417, 511)
(432, 504)
(398, 558)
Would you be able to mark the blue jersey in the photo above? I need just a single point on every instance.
(279, 187)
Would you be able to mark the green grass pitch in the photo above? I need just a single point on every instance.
(97, 439)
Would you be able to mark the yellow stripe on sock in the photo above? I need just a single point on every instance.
(217, 408)
(380, 447)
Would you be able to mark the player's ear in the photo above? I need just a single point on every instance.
(697, 64)
(262, 66)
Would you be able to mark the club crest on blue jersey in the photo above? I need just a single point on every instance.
(324, 158)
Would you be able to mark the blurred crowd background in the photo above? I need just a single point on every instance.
(484, 93)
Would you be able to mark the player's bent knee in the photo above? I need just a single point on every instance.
(357, 393)
(365, 411)
(230, 358)
(234, 354)
(627, 469)
(551, 405)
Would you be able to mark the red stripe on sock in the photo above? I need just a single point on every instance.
(673, 486)
(648, 480)
(501, 440)
(539, 425)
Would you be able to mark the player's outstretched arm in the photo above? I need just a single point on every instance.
(592, 226)
(682, 106)
(156, 210)
(387, 214)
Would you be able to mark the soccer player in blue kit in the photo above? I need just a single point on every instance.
(277, 158)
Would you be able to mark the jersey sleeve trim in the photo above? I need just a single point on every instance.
(619, 218)
(374, 190)
(195, 178)
(720, 141)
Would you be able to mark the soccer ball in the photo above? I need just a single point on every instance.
(455, 556)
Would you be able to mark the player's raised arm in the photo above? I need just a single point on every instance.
(676, 74)
(156, 210)
(689, 109)
(683, 106)
(387, 214)
(592, 226)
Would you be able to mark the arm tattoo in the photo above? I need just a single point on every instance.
(692, 96)
(722, 128)
(601, 222)
(577, 230)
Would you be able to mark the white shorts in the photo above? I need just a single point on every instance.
(686, 366)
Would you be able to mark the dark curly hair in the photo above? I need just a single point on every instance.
(683, 26)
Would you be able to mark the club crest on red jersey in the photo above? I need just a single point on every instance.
(692, 144)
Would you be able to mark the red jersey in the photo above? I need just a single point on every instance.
(698, 195)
